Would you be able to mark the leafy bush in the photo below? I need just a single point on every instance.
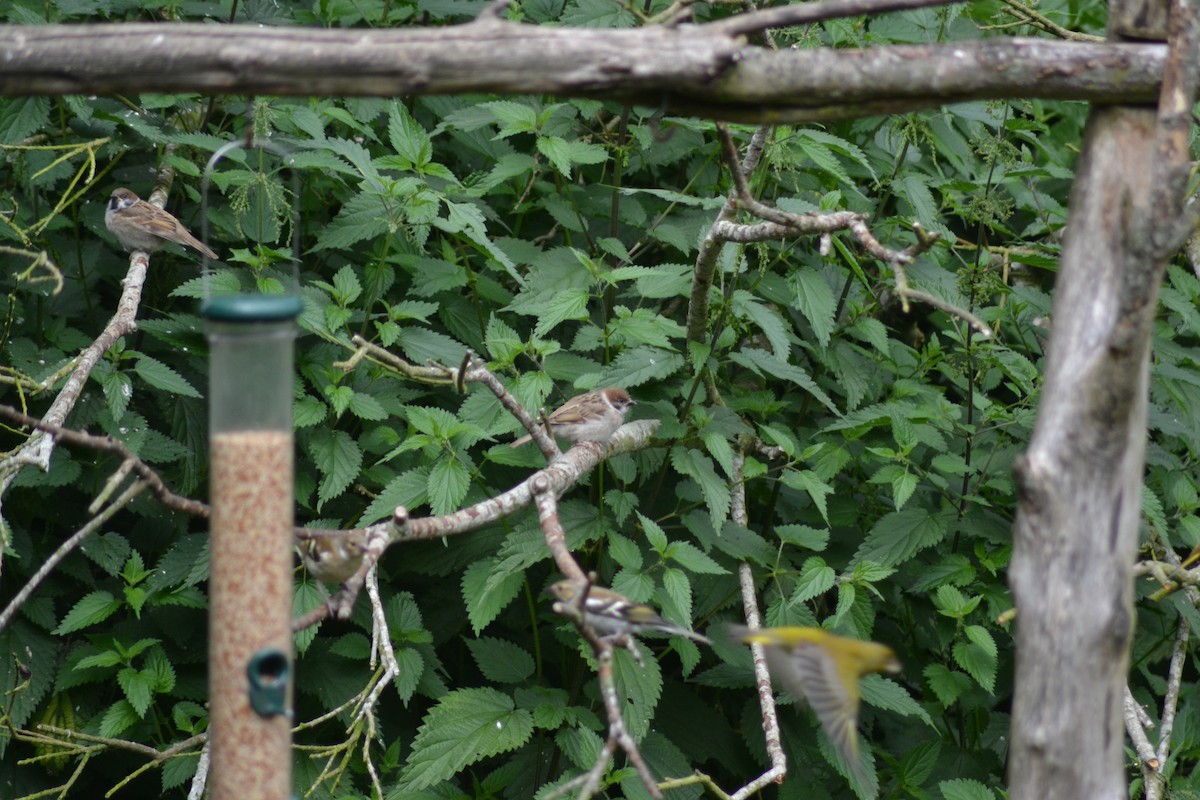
(557, 239)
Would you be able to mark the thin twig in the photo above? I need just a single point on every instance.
(1028, 15)
(1171, 696)
(762, 678)
(808, 13)
(107, 443)
(65, 549)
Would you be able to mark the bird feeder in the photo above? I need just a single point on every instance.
(251, 339)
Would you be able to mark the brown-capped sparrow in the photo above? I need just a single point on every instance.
(610, 614)
(139, 225)
(333, 559)
(591, 417)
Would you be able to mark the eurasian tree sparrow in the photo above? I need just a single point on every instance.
(591, 417)
(139, 225)
(610, 614)
(332, 559)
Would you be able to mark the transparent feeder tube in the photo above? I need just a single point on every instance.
(250, 639)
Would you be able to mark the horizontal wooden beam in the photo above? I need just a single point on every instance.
(702, 70)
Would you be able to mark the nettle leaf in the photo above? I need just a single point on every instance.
(814, 298)
(338, 458)
(562, 154)
(138, 687)
(664, 280)
(176, 771)
(720, 449)
(364, 406)
(596, 14)
(621, 503)
(965, 789)
(466, 725)
(897, 536)
(500, 660)
(768, 321)
(803, 536)
(22, 116)
(449, 480)
(694, 559)
(624, 552)
(421, 346)
(570, 304)
(679, 590)
(503, 343)
(979, 661)
(699, 467)
(955, 569)
(953, 603)
(816, 578)
(639, 688)
(437, 423)
(637, 586)
(410, 141)
(119, 717)
(656, 537)
(468, 219)
(160, 376)
(888, 695)
(837, 144)
(760, 362)
(488, 586)
(706, 202)
(871, 331)
(903, 486)
(641, 365)
(917, 764)
(514, 117)
(1152, 508)
(363, 216)
(118, 389)
(915, 189)
(643, 326)
(580, 746)
(548, 704)
(947, 684)
(108, 550)
(408, 489)
(94, 607)
(358, 157)
(982, 637)
(805, 480)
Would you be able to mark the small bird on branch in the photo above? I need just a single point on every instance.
(612, 615)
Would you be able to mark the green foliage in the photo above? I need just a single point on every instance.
(532, 231)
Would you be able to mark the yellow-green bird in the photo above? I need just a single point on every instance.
(823, 669)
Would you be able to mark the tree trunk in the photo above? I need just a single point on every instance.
(1080, 482)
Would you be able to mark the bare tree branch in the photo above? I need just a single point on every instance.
(701, 70)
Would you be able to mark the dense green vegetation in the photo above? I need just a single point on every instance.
(557, 238)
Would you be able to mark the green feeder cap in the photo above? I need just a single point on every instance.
(252, 307)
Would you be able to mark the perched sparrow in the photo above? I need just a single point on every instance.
(611, 615)
(591, 417)
(824, 669)
(139, 225)
(332, 559)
